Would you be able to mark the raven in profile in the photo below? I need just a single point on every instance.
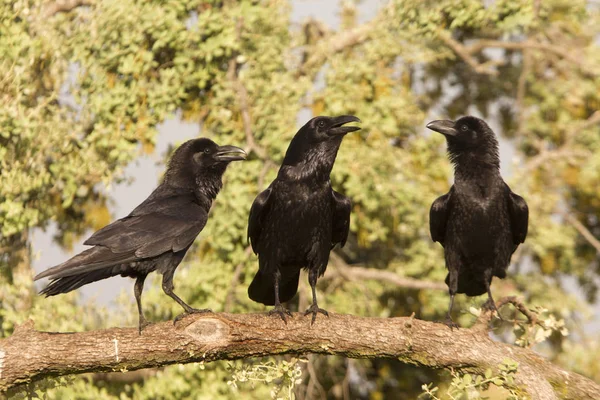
(158, 233)
(298, 219)
(480, 222)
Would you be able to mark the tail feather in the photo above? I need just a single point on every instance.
(469, 283)
(66, 284)
(96, 258)
(262, 288)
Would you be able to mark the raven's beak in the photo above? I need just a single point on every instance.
(338, 129)
(230, 153)
(445, 127)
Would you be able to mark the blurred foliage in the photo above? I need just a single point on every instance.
(82, 91)
(469, 386)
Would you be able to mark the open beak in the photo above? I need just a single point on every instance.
(445, 127)
(338, 129)
(230, 153)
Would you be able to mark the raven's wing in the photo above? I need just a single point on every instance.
(136, 237)
(341, 218)
(255, 220)
(147, 235)
(519, 216)
(438, 216)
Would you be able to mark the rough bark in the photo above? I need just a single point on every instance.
(29, 355)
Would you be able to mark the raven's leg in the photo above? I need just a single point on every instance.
(279, 309)
(314, 308)
(137, 291)
(452, 289)
(490, 304)
(167, 286)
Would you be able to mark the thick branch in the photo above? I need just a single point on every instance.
(29, 355)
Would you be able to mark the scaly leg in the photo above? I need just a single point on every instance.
(279, 309)
(167, 286)
(314, 308)
(137, 291)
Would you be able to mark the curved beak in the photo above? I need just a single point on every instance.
(443, 126)
(230, 153)
(338, 129)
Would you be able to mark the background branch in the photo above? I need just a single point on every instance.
(29, 355)
(54, 8)
(354, 273)
(585, 232)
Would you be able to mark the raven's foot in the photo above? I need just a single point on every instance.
(191, 311)
(449, 322)
(491, 306)
(281, 311)
(143, 324)
(314, 310)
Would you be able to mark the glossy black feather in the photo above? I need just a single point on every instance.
(157, 234)
(295, 222)
(480, 222)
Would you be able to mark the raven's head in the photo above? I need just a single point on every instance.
(315, 146)
(468, 136)
(328, 128)
(200, 159)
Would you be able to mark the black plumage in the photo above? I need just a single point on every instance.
(298, 219)
(480, 222)
(158, 233)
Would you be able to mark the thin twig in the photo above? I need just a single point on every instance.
(486, 315)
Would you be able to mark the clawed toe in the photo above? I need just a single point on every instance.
(491, 306)
(191, 311)
(449, 322)
(314, 310)
(281, 311)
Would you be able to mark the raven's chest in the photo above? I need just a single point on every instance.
(300, 213)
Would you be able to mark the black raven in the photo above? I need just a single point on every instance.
(298, 219)
(157, 234)
(480, 222)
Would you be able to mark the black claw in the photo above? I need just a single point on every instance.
(491, 306)
(191, 311)
(449, 322)
(314, 310)
(281, 311)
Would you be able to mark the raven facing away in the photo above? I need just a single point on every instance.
(480, 222)
(298, 219)
(158, 233)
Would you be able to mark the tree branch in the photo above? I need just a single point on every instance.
(467, 55)
(583, 231)
(467, 52)
(354, 273)
(52, 9)
(30, 355)
(335, 44)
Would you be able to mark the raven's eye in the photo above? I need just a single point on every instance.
(464, 128)
(207, 151)
(321, 124)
